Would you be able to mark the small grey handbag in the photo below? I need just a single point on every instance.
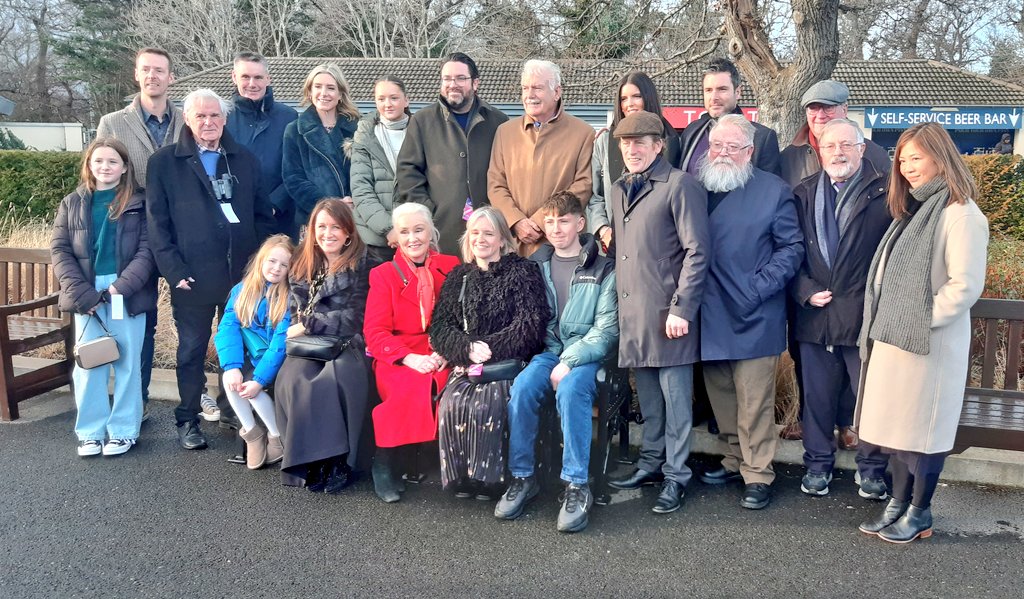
(96, 352)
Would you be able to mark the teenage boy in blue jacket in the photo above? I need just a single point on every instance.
(581, 293)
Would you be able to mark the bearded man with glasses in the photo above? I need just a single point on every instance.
(447, 150)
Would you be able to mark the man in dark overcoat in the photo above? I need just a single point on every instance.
(756, 248)
(447, 150)
(661, 257)
(843, 215)
(207, 214)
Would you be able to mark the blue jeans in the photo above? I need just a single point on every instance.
(574, 399)
(97, 418)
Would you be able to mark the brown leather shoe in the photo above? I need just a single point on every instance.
(848, 438)
(793, 432)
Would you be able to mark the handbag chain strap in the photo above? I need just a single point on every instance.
(99, 320)
(462, 303)
(314, 293)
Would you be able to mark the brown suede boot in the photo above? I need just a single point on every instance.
(255, 447)
(275, 450)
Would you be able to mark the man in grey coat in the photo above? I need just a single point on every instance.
(149, 123)
(447, 151)
(661, 228)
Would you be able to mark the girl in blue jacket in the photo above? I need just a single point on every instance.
(250, 346)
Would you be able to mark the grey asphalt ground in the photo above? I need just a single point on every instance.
(163, 522)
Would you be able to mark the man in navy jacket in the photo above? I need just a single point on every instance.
(756, 248)
(257, 122)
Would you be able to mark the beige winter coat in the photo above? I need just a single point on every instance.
(912, 402)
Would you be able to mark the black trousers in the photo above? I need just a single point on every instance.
(829, 398)
(194, 325)
(147, 353)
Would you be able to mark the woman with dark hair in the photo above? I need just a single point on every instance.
(927, 272)
(102, 260)
(492, 313)
(321, 405)
(408, 371)
(314, 165)
(636, 92)
(374, 153)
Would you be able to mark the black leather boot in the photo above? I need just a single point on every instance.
(892, 512)
(913, 524)
(316, 476)
(340, 476)
(384, 483)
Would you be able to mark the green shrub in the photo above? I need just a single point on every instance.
(1000, 181)
(32, 184)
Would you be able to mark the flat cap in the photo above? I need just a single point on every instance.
(639, 124)
(828, 92)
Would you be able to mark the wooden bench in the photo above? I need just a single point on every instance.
(29, 320)
(993, 412)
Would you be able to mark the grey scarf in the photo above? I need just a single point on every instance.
(901, 313)
(844, 208)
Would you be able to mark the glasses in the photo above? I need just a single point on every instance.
(721, 148)
(461, 80)
(827, 110)
(845, 146)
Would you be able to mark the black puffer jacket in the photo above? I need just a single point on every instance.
(72, 252)
(506, 307)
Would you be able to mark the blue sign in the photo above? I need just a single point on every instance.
(960, 117)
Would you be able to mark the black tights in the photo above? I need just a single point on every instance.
(919, 490)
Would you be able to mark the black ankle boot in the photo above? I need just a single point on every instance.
(316, 477)
(915, 523)
(384, 481)
(892, 512)
(340, 477)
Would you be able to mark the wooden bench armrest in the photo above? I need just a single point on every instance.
(42, 302)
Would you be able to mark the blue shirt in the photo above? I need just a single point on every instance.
(209, 159)
(463, 119)
(157, 127)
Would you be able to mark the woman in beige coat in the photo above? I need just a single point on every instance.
(928, 271)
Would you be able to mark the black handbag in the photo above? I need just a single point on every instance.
(322, 348)
(502, 370)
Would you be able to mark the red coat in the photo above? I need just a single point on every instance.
(393, 330)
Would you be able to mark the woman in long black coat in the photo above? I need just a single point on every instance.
(492, 308)
(321, 406)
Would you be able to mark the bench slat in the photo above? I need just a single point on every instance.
(1013, 341)
(988, 363)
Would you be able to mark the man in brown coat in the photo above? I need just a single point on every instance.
(546, 151)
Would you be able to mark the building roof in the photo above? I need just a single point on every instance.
(872, 83)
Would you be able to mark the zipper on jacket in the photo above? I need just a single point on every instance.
(337, 175)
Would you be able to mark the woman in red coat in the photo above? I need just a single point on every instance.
(409, 373)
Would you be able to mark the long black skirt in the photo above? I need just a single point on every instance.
(471, 420)
(321, 409)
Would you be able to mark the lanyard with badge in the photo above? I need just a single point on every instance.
(223, 190)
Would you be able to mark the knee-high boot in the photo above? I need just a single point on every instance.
(384, 482)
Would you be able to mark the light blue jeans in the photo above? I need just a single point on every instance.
(97, 417)
(575, 401)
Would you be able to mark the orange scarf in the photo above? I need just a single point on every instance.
(424, 289)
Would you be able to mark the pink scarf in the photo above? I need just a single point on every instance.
(424, 289)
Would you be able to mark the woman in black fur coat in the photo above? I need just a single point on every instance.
(492, 308)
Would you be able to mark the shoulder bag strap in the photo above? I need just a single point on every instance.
(401, 274)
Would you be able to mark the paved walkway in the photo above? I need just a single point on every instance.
(163, 522)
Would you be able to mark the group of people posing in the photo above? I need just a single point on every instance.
(384, 282)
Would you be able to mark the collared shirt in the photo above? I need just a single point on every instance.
(209, 158)
(157, 127)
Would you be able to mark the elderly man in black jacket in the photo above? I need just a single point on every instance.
(843, 215)
(207, 214)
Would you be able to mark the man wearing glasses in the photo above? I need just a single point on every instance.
(756, 248)
(843, 216)
(443, 161)
(824, 101)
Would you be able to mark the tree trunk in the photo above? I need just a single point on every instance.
(778, 89)
(40, 87)
(916, 27)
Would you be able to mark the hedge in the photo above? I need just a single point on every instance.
(32, 184)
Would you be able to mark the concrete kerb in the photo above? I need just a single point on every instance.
(976, 465)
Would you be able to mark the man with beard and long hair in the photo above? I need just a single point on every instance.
(756, 248)
(447, 150)
(843, 215)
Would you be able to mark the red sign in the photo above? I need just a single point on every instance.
(681, 116)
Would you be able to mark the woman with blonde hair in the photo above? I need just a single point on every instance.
(102, 260)
(315, 165)
(321, 401)
(927, 272)
(490, 319)
(250, 347)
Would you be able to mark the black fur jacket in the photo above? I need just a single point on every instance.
(506, 307)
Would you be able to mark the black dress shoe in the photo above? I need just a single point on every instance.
(340, 478)
(915, 523)
(719, 476)
(316, 477)
(638, 479)
(755, 496)
(670, 498)
(892, 512)
(190, 437)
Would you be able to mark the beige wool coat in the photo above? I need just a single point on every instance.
(912, 402)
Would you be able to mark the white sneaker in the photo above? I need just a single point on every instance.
(89, 447)
(117, 446)
(209, 412)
